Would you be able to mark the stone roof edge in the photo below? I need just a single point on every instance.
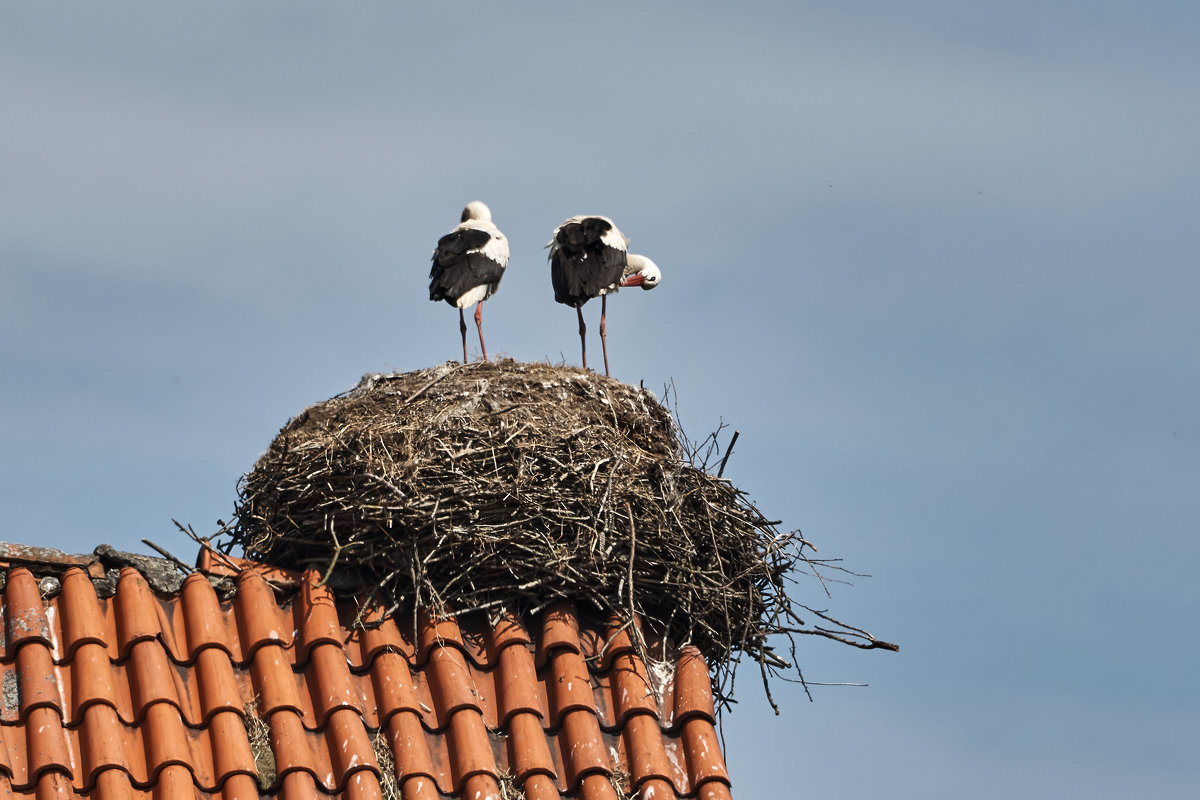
(103, 565)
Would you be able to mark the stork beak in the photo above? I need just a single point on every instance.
(636, 279)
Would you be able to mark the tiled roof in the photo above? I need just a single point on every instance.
(180, 694)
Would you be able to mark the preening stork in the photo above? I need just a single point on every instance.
(467, 266)
(589, 258)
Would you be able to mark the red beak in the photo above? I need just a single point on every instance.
(636, 279)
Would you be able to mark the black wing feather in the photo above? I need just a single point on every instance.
(583, 265)
(459, 267)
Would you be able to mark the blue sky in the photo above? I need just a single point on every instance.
(935, 261)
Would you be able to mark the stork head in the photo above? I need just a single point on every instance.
(476, 210)
(641, 271)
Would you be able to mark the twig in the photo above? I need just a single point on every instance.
(838, 683)
(393, 487)
(421, 391)
(599, 657)
(207, 544)
(632, 553)
(728, 451)
(337, 551)
(186, 568)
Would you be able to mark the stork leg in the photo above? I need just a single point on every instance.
(582, 334)
(604, 330)
(479, 325)
(462, 327)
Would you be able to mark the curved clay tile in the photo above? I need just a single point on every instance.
(393, 687)
(506, 632)
(167, 744)
(300, 786)
(419, 787)
(95, 679)
(481, 785)
(275, 686)
(451, 684)
(113, 784)
(583, 748)
(204, 623)
(46, 746)
(517, 688)
(632, 692)
(106, 744)
(538, 786)
(11, 754)
(38, 679)
(82, 618)
(154, 680)
(569, 685)
(694, 707)
(330, 684)
(54, 785)
(656, 789)
(229, 745)
(470, 750)
(693, 687)
(260, 620)
(376, 638)
(315, 617)
(24, 617)
(297, 750)
(362, 785)
(218, 686)
(349, 746)
(713, 790)
(528, 753)
(560, 630)
(437, 634)
(597, 787)
(703, 750)
(137, 612)
(409, 746)
(600, 649)
(238, 786)
(646, 754)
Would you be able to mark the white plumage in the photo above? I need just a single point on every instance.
(467, 266)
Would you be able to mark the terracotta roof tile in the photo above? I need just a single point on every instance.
(144, 695)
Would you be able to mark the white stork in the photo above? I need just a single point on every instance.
(467, 266)
(589, 258)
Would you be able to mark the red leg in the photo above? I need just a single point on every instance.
(479, 325)
(604, 330)
(582, 334)
(462, 327)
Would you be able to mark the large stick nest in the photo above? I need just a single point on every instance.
(510, 485)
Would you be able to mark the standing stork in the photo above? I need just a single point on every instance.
(589, 258)
(467, 266)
